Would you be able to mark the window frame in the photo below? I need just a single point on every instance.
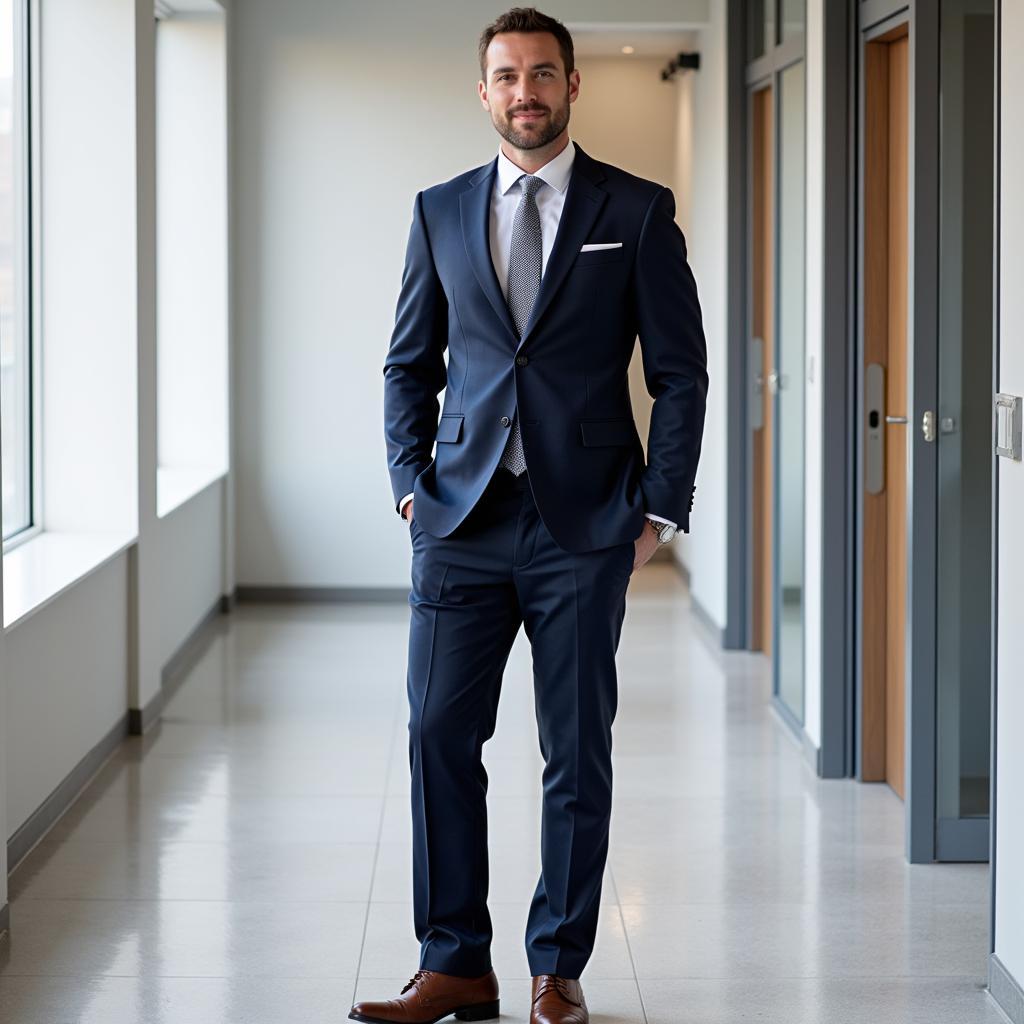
(30, 253)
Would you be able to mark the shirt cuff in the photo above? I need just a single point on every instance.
(401, 504)
(651, 515)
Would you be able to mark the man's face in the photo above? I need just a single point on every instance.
(526, 90)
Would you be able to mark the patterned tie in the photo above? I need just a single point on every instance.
(524, 268)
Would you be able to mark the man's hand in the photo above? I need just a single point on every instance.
(407, 510)
(646, 544)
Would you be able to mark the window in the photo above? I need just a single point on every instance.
(15, 332)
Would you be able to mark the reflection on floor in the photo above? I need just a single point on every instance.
(249, 861)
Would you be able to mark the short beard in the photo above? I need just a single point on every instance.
(507, 130)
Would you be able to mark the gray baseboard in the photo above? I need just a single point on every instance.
(714, 632)
(708, 624)
(40, 821)
(683, 570)
(1004, 988)
(812, 754)
(276, 595)
(186, 655)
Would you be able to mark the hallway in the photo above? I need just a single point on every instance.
(248, 860)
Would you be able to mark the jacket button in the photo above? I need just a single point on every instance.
(521, 360)
(505, 421)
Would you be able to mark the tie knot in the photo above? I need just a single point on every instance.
(530, 183)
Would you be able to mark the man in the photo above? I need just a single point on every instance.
(536, 271)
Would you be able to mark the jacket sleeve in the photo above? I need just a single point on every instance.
(414, 368)
(674, 353)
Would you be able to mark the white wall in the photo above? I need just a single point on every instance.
(1009, 852)
(192, 241)
(704, 551)
(344, 111)
(67, 685)
(627, 116)
(87, 241)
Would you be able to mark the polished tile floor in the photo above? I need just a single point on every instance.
(249, 860)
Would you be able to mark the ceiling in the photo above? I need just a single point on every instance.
(647, 41)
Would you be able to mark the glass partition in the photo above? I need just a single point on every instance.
(965, 459)
(789, 387)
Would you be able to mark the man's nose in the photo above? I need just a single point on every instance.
(526, 94)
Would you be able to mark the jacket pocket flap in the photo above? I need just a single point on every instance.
(614, 431)
(450, 427)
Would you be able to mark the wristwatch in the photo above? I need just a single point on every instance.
(664, 531)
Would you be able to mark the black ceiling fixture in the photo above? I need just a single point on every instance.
(681, 62)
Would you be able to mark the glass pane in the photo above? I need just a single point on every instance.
(14, 377)
(965, 408)
(760, 27)
(790, 408)
(793, 18)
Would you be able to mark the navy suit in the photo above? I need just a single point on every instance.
(551, 550)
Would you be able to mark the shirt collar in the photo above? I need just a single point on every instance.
(554, 173)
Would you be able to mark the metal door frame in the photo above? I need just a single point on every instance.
(755, 75)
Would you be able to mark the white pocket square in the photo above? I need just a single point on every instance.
(600, 245)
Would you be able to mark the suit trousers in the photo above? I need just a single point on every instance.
(471, 591)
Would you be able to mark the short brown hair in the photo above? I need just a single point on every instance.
(527, 19)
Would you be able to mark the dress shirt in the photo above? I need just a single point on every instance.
(550, 199)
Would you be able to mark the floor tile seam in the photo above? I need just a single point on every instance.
(398, 704)
(261, 794)
(974, 979)
(275, 902)
(152, 976)
(857, 898)
(504, 976)
(74, 841)
(629, 948)
(524, 903)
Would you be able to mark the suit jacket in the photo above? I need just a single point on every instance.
(566, 376)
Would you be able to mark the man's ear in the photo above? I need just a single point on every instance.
(481, 89)
(574, 85)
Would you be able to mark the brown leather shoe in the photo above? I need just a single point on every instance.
(558, 1001)
(429, 997)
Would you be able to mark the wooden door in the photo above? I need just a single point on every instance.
(885, 277)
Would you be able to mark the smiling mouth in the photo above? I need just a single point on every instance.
(530, 115)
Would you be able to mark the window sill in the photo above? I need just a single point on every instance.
(177, 485)
(40, 570)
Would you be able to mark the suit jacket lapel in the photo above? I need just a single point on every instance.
(584, 199)
(475, 215)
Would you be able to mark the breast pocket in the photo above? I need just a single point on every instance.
(596, 257)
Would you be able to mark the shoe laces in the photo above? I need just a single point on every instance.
(420, 975)
(559, 984)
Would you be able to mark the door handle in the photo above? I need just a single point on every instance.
(928, 425)
(895, 419)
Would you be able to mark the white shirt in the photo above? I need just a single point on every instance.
(505, 196)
